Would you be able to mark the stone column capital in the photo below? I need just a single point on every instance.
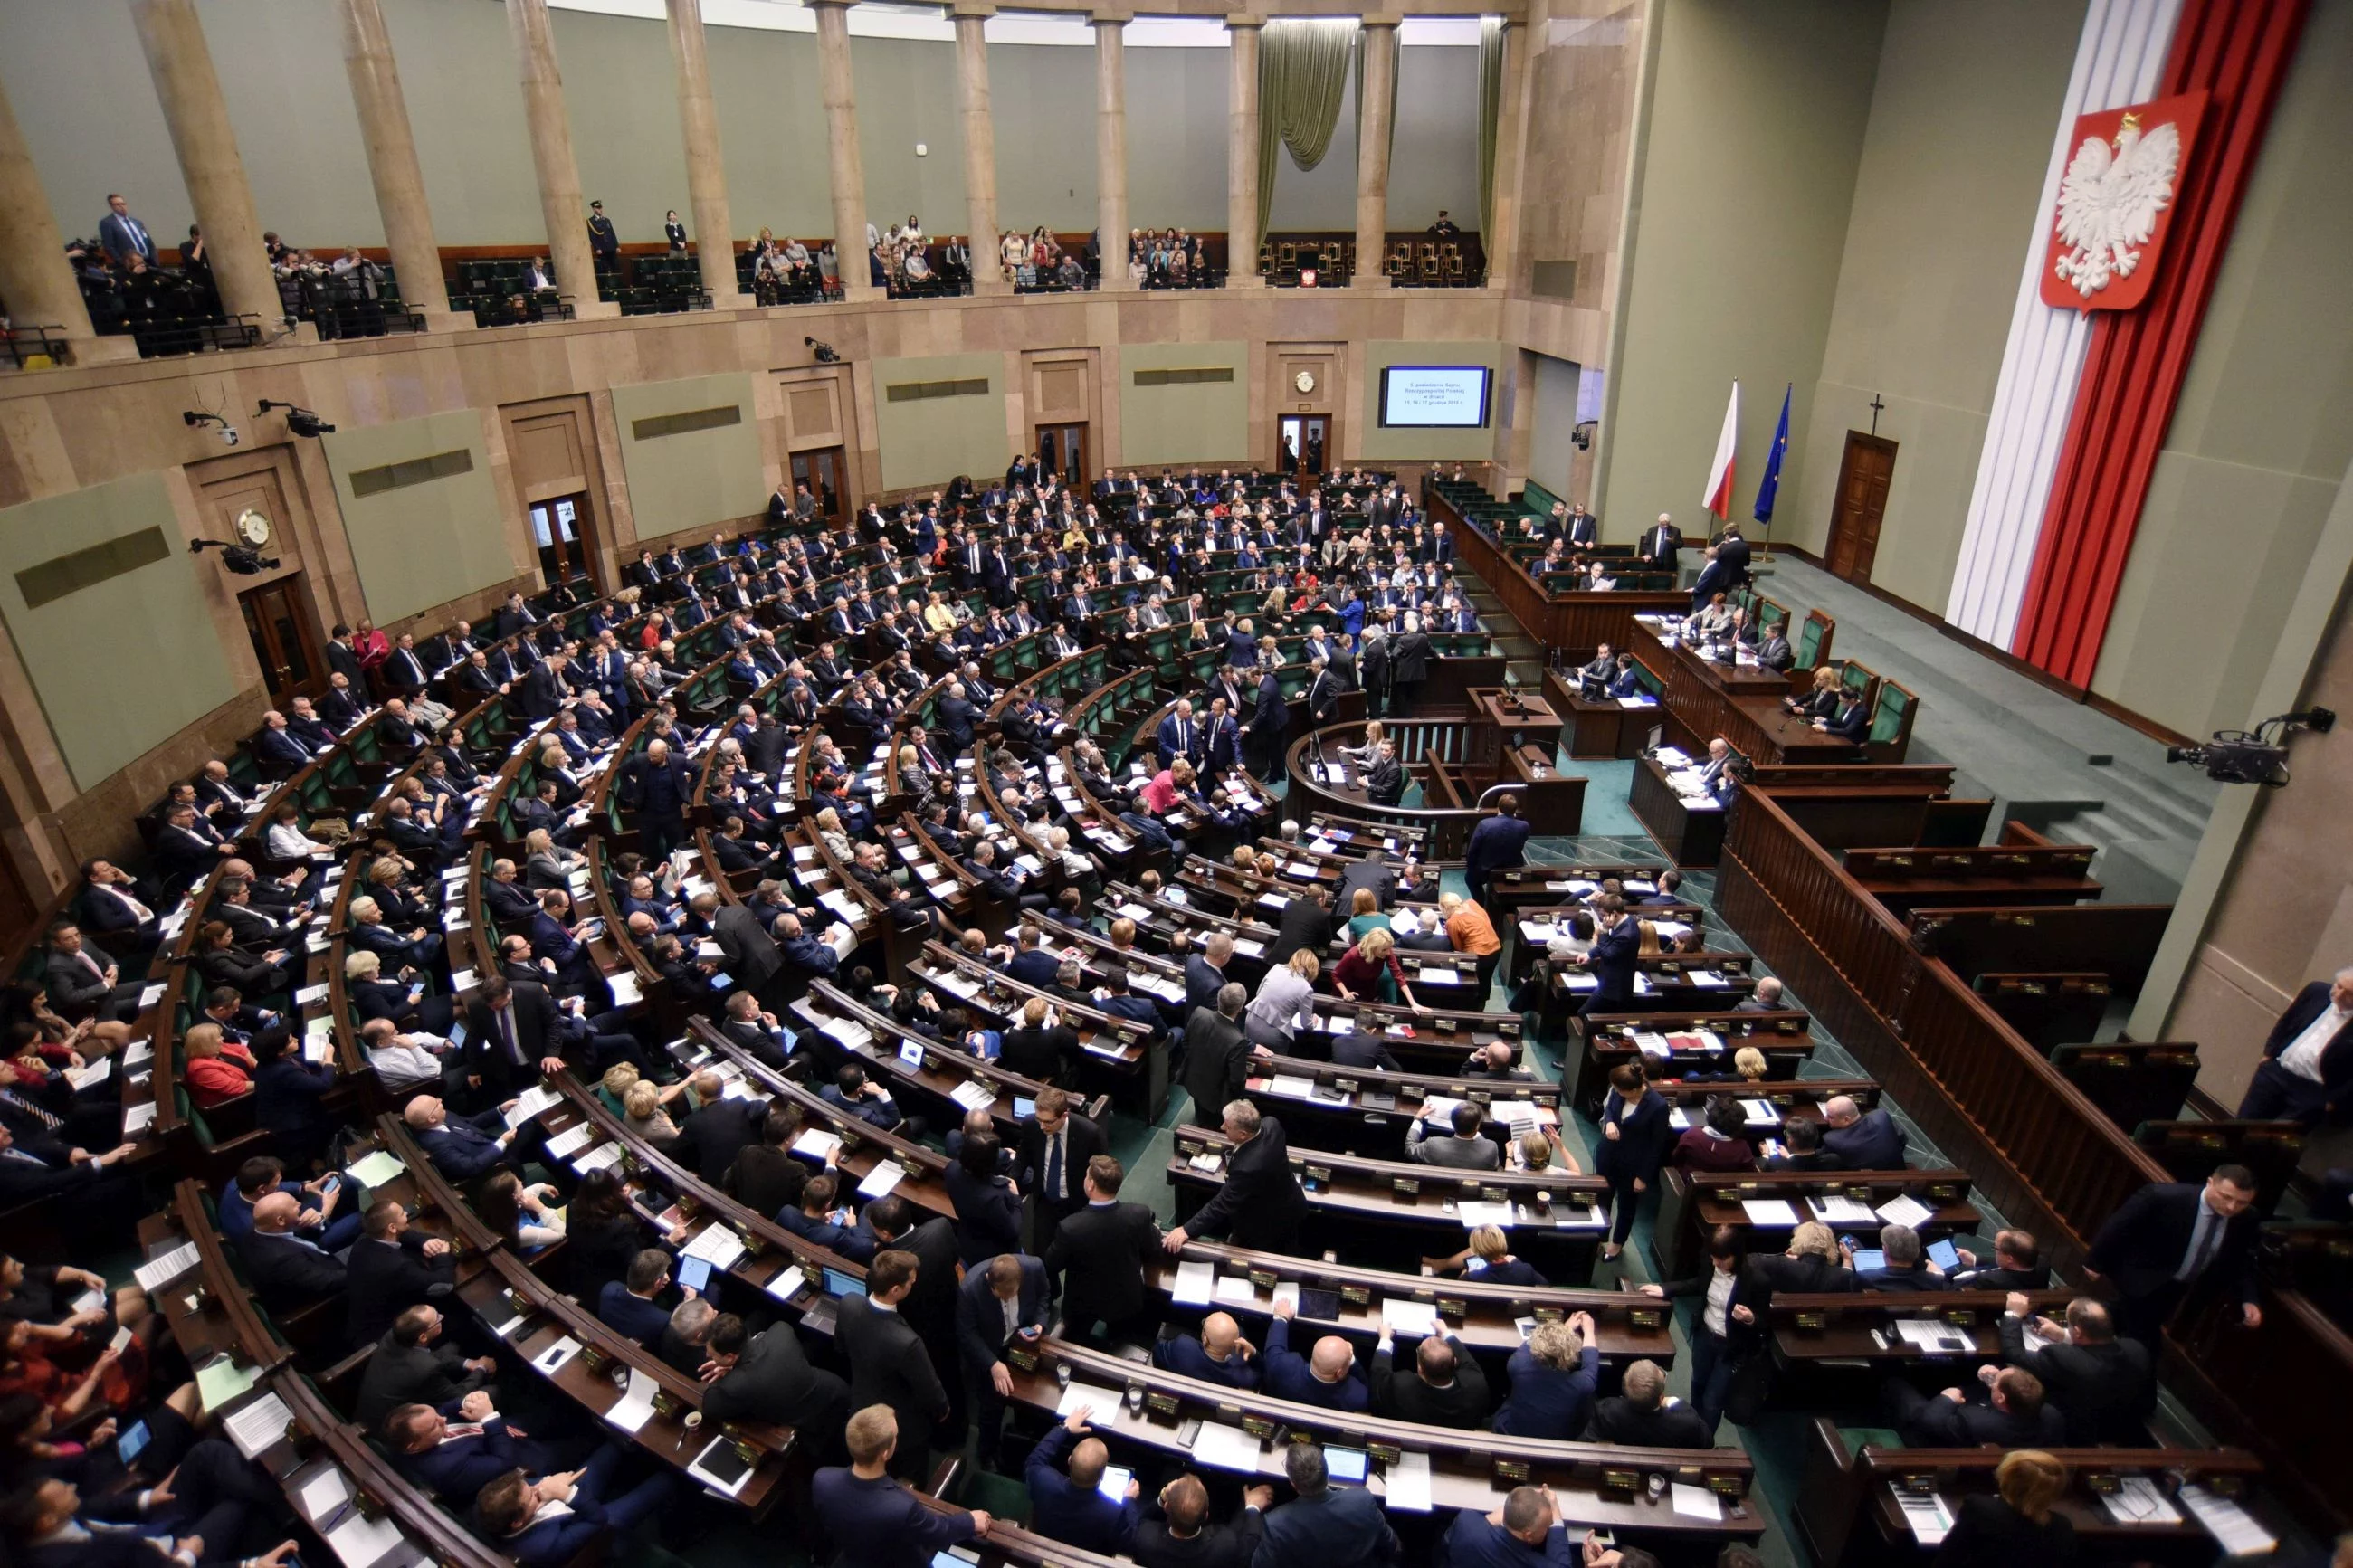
(1381, 19)
(1109, 16)
(1243, 19)
(970, 11)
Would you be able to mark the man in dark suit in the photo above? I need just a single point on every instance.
(1174, 1531)
(889, 1364)
(460, 1150)
(1726, 568)
(513, 1035)
(720, 1128)
(750, 954)
(286, 1268)
(109, 904)
(84, 982)
(520, 1517)
(633, 1305)
(865, 1504)
(2015, 1416)
(1306, 922)
(1001, 1302)
(1205, 973)
(1221, 1355)
(764, 1377)
(2101, 1385)
(1371, 872)
(389, 1269)
(1064, 1474)
(458, 1461)
(1642, 1416)
(1100, 1254)
(1260, 1201)
(930, 1307)
(1051, 1154)
(2306, 1073)
(659, 785)
(120, 235)
(1216, 1053)
(2173, 1238)
(1497, 844)
(1661, 544)
(2016, 1266)
(1866, 1141)
(1446, 1387)
(1323, 1525)
(1617, 943)
(1180, 735)
(410, 1367)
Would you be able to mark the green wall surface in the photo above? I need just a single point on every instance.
(124, 664)
(2262, 435)
(1380, 446)
(1754, 132)
(1556, 393)
(698, 476)
(1197, 422)
(1945, 207)
(420, 545)
(931, 440)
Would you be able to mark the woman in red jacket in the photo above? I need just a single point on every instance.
(216, 1070)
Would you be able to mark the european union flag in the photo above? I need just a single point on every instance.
(1771, 483)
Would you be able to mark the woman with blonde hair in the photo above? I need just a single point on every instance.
(1285, 1003)
(1647, 935)
(546, 863)
(837, 842)
(217, 1069)
(1821, 702)
(1370, 970)
(1361, 756)
(613, 1089)
(2019, 1527)
(1489, 1259)
(1750, 1064)
(642, 1113)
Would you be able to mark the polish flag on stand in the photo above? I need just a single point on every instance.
(1718, 497)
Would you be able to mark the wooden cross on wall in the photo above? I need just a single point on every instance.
(1875, 406)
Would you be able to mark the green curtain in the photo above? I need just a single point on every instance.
(1302, 72)
(1491, 110)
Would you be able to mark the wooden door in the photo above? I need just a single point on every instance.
(561, 529)
(1062, 451)
(1858, 504)
(826, 471)
(284, 640)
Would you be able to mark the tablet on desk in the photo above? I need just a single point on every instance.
(1322, 1306)
(1869, 1257)
(1346, 1464)
(1023, 1106)
(837, 1283)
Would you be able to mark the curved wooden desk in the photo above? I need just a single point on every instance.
(1439, 754)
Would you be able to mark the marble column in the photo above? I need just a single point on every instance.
(393, 166)
(980, 145)
(197, 117)
(1110, 144)
(1241, 153)
(561, 205)
(1502, 247)
(848, 163)
(35, 280)
(706, 174)
(1380, 46)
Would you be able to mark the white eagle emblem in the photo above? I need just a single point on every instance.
(2108, 202)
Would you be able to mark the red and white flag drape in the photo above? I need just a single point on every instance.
(1718, 497)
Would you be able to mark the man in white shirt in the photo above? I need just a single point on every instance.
(403, 1063)
(2307, 1074)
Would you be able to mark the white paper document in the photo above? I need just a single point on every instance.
(153, 1276)
(1832, 1209)
(974, 1094)
(320, 1495)
(1906, 1210)
(1696, 1502)
(258, 1426)
(884, 1177)
(1195, 1282)
(1769, 1211)
(717, 1243)
(635, 1406)
(1295, 1085)
(1102, 1401)
(531, 1103)
(554, 1356)
(817, 1143)
(378, 1168)
(1409, 1316)
(1474, 1212)
(137, 1119)
(2136, 1501)
(362, 1542)
(2232, 1526)
(1926, 1516)
(1409, 1483)
(1225, 1448)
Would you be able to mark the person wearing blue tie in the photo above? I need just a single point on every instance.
(122, 236)
(1179, 735)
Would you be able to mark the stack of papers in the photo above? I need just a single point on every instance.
(716, 1244)
(220, 1380)
(817, 1143)
(1402, 1317)
(378, 1169)
(572, 1140)
(974, 1095)
(362, 1542)
(260, 1426)
(1292, 1084)
(1195, 1283)
(1841, 1210)
(1925, 1513)
(153, 1276)
(1102, 1401)
(884, 1177)
(1236, 1288)
(2232, 1526)
(1474, 1212)
(1906, 1210)
(1932, 1338)
(1696, 1502)
(2136, 1501)
(531, 1103)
